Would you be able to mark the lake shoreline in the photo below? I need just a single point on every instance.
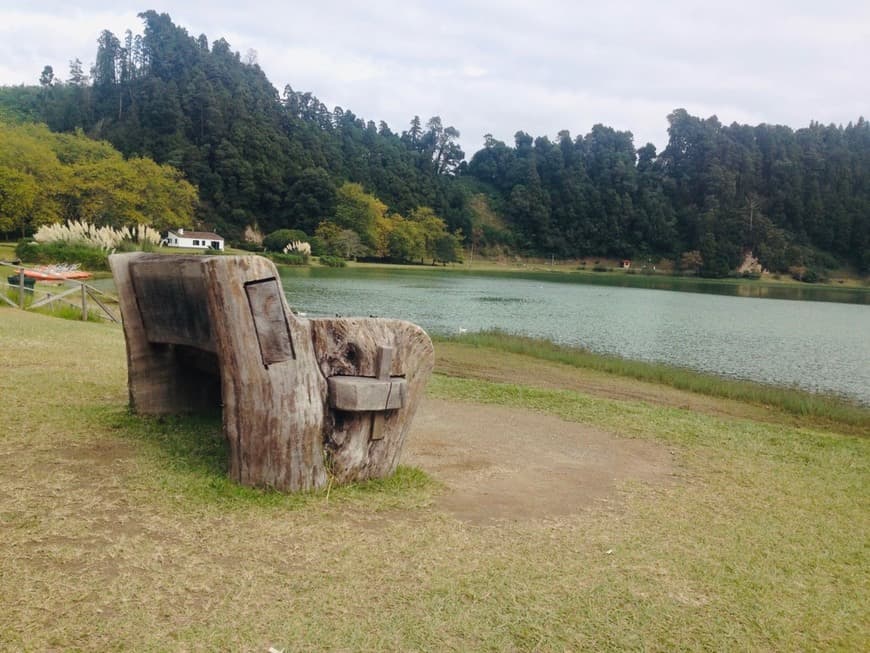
(843, 288)
(849, 290)
(493, 350)
(816, 346)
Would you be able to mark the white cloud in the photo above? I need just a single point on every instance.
(31, 39)
(473, 71)
(313, 64)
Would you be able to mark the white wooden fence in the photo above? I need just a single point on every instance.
(74, 292)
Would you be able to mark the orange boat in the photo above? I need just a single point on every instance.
(49, 273)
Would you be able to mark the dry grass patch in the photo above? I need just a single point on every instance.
(117, 536)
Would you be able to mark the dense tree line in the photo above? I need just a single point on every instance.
(795, 198)
(282, 161)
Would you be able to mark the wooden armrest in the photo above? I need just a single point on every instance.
(364, 393)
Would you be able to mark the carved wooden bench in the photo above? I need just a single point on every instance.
(303, 400)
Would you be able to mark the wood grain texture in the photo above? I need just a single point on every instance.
(382, 370)
(359, 393)
(159, 379)
(350, 347)
(174, 292)
(269, 310)
(273, 415)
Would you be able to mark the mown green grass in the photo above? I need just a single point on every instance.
(123, 533)
(62, 308)
(793, 401)
(192, 457)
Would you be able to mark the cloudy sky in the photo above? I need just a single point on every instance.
(498, 66)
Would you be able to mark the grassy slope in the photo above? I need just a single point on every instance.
(122, 534)
(818, 409)
(7, 253)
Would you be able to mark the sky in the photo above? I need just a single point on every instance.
(499, 66)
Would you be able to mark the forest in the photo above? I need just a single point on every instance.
(263, 160)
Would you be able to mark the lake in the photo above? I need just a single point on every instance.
(821, 346)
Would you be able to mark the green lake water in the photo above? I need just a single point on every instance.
(746, 331)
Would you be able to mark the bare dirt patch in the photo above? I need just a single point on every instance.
(508, 464)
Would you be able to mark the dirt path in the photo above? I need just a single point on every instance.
(502, 463)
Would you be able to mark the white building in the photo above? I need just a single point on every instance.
(194, 239)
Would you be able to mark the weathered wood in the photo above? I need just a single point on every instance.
(99, 303)
(176, 300)
(53, 298)
(270, 320)
(383, 362)
(350, 347)
(358, 393)
(273, 414)
(302, 400)
(382, 370)
(158, 379)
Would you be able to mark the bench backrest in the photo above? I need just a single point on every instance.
(172, 299)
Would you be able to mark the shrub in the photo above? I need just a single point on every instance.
(105, 238)
(27, 250)
(825, 260)
(600, 268)
(246, 246)
(89, 257)
(288, 259)
(297, 247)
(333, 261)
(278, 240)
(318, 246)
(253, 236)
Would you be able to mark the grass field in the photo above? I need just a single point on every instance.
(120, 533)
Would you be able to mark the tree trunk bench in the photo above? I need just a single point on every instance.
(302, 400)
